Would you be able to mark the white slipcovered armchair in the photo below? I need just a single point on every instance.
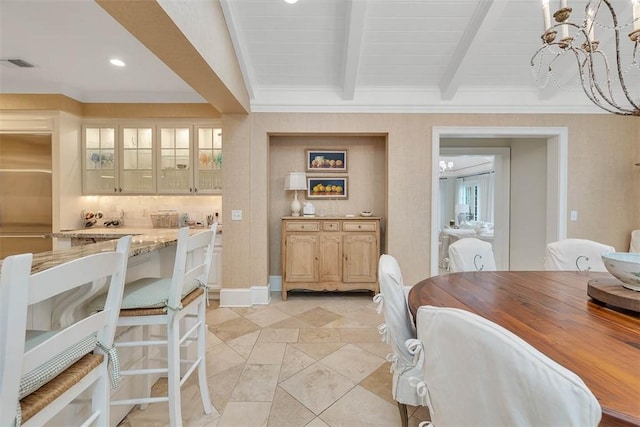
(576, 255)
(477, 373)
(634, 246)
(471, 254)
(397, 329)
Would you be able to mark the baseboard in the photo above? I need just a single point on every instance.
(213, 294)
(245, 297)
(276, 283)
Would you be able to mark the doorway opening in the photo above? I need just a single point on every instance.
(474, 199)
(553, 143)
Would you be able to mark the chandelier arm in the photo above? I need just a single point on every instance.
(619, 66)
(588, 89)
(608, 97)
(593, 81)
(611, 99)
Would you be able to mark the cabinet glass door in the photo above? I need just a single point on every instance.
(209, 160)
(137, 172)
(99, 160)
(176, 171)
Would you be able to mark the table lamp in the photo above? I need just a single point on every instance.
(462, 213)
(295, 181)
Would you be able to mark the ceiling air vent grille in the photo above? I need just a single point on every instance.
(18, 63)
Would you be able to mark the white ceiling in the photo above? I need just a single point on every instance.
(315, 55)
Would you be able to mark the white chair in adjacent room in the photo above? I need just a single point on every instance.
(398, 328)
(634, 245)
(477, 373)
(166, 303)
(471, 254)
(575, 255)
(42, 372)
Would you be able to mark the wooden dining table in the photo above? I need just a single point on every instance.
(552, 311)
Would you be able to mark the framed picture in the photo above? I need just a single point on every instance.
(326, 160)
(327, 188)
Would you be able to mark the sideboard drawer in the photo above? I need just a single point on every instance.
(330, 226)
(303, 226)
(359, 226)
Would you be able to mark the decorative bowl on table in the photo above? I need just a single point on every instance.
(624, 266)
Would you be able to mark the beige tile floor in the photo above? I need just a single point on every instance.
(315, 360)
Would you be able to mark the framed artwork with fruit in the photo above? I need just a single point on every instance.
(327, 188)
(326, 160)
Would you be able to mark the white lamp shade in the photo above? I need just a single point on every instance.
(295, 181)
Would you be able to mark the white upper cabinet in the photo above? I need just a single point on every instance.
(153, 159)
(175, 160)
(137, 171)
(208, 160)
(99, 160)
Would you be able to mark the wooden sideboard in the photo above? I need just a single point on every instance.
(330, 253)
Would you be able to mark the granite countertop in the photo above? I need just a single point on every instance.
(116, 233)
(332, 217)
(143, 241)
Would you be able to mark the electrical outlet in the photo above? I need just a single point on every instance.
(236, 215)
(574, 215)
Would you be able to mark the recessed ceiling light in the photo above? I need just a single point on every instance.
(291, 1)
(117, 62)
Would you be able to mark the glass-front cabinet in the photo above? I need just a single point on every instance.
(155, 159)
(175, 160)
(137, 172)
(190, 160)
(208, 173)
(99, 157)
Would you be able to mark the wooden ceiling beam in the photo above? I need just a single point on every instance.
(353, 49)
(151, 24)
(485, 16)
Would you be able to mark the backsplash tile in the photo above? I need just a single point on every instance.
(137, 208)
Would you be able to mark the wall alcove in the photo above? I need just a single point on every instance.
(366, 174)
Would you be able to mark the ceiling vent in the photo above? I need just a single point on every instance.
(18, 63)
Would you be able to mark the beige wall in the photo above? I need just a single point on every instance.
(528, 219)
(603, 183)
(601, 180)
(366, 174)
(635, 177)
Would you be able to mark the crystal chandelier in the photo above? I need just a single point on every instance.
(444, 166)
(607, 59)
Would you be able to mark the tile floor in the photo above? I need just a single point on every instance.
(315, 360)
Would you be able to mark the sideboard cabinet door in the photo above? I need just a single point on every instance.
(302, 257)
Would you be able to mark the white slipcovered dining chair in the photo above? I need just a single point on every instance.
(575, 255)
(398, 328)
(634, 245)
(165, 303)
(471, 254)
(477, 373)
(42, 372)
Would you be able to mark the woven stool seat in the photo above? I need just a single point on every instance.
(188, 299)
(49, 392)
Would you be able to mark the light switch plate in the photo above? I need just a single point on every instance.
(236, 215)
